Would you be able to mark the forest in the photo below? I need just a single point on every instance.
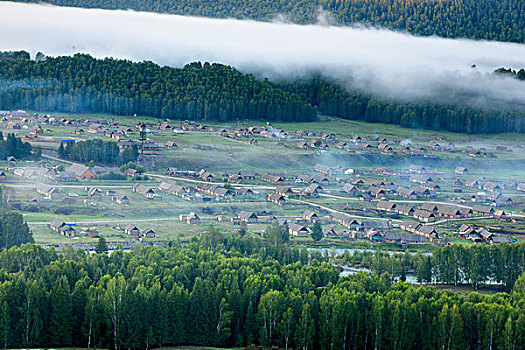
(502, 20)
(216, 92)
(97, 151)
(12, 146)
(224, 290)
(475, 265)
(198, 91)
(332, 99)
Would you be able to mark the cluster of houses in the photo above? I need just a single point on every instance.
(365, 145)
(378, 230)
(134, 231)
(75, 172)
(52, 192)
(494, 196)
(356, 144)
(176, 190)
(104, 127)
(249, 132)
(429, 211)
(239, 176)
(481, 234)
(94, 192)
(187, 125)
(213, 190)
(217, 191)
(148, 192)
(68, 230)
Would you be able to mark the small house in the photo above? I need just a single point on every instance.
(248, 216)
(298, 230)
(309, 215)
(132, 230)
(150, 234)
(461, 170)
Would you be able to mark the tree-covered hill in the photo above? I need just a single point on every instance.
(502, 20)
(332, 99)
(198, 91)
(216, 92)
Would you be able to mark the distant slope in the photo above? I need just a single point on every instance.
(332, 99)
(502, 20)
(84, 84)
(217, 92)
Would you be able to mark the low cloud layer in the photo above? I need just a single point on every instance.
(380, 62)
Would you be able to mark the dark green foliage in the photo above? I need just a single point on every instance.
(456, 264)
(129, 154)
(235, 294)
(198, 91)
(13, 230)
(216, 92)
(333, 100)
(60, 327)
(502, 20)
(317, 231)
(97, 151)
(13, 146)
(131, 165)
(112, 176)
(102, 246)
(15, 54)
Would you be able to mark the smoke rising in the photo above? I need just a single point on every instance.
(380, 62)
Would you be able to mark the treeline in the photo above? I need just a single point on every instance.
(226, 291)
(216, 92)
(15, 54)
(12, 146)
(512, 73)
(474, 265)
(502, 20)
(198, 91)
(97, 151)
(334, 100)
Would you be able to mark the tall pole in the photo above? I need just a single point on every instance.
(142, 137)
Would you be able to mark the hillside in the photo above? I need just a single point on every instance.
(83, 84)
(502, 20)
(332, 99)
(198, 91)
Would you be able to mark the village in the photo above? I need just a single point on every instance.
(403, 188)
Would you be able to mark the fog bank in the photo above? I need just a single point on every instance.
(380, 62)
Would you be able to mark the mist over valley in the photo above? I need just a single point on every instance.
(382, 63)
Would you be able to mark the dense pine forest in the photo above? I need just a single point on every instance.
(235, 291)
(332, 99)
(216, 92)
(198, 91)
(502, 20)
(98, 151)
